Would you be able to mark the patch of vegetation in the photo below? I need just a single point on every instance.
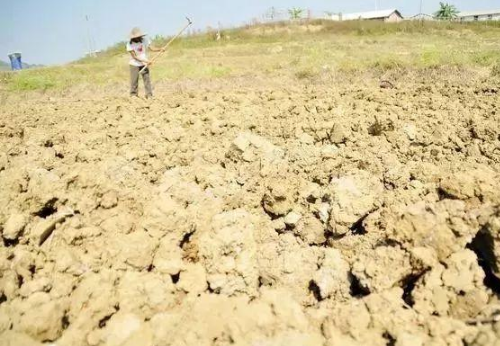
(5, 77)
(486, 58)
(305, 74)
(25, 81)
(218, 71)
(378, 128)
(387, 63)
(431, 58)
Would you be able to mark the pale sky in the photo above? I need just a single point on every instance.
(55, 31)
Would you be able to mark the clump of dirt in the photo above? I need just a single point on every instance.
(276, 214)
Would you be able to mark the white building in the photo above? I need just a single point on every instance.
(421, 17)
(392, 15)
(474, 16)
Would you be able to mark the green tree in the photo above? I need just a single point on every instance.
(295, 13)
(446, 11)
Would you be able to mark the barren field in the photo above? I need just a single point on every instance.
(337, 210)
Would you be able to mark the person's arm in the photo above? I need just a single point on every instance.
(135, 57)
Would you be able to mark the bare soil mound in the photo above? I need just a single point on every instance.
(319, 214)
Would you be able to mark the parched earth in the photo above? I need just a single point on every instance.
(333, 212)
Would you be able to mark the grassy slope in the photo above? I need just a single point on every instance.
(297, 49)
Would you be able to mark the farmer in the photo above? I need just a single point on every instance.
(138, 46)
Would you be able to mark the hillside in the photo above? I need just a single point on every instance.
(291, 49)
(290, 185)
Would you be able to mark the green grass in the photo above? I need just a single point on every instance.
(37, 81)
(298, 50)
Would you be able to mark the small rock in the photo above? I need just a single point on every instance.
(462, 272)
(44, 228)
(39, 285)
(354, 196)
(292, 219)
(249, 156)
(338, 134)
(410, 339)
(423, 257)
(410, 131)
(385, 84)
(371, 269)
(216, 128)
(310, 230)
(241, 143)
(228, 251)
(311, 192)
(277, 201)
(122, 329)
(168, 257)
(193, 279)
(109, 200)
(279, 224)
(329, 151)
(42, 317)
(67, 261)
(306, 139)
(118, 224)
(14, 226)
(333, 276)
(258, 147)
(136, 249)
(324, 212)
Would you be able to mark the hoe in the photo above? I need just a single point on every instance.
(168, 44)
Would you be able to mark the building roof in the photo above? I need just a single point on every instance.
(477, 13)
(421, 16)
(370, 14)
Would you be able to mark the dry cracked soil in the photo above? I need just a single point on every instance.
(254, 212)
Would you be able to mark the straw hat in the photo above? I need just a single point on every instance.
(136, 32)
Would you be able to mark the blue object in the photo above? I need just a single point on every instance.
(15, 61)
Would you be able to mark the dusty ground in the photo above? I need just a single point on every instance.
(254, 212)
